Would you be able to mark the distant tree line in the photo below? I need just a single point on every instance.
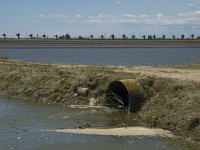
(102, 37)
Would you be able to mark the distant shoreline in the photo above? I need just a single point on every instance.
(5, 43)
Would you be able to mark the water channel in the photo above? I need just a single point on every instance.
(25, 126)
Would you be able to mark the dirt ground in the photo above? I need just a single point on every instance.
(164, 72)
(100, 43)
(187, 73)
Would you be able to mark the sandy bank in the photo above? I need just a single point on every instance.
(164, 72)
(188, 72)
(130, 131)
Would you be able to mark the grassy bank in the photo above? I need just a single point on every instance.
(101, 43)
(170, 103)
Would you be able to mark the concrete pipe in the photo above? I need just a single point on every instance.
(126, 94)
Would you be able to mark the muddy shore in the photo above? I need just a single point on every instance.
(172, 93)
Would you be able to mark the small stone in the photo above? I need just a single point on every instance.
(75, 95)
(92, 102)
(83, 91)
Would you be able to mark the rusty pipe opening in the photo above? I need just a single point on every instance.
(125, 94)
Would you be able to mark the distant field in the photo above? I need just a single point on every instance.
(100, 43)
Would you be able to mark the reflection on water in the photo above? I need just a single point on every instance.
(22, 127)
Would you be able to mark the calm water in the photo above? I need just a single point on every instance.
(104, 56)
(22, 128)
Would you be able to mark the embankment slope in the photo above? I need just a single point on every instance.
(172, 101)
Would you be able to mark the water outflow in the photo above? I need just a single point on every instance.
(126, 94)
(26, 126)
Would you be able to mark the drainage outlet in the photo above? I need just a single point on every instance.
(125, 94)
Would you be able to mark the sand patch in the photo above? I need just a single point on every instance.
(187, 74)
(164, 72)
(129, 131)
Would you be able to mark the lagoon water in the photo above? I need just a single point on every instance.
(104, 56)
(24, 126)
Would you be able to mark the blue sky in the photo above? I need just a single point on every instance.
(100, 17)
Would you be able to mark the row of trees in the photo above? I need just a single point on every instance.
(102, 37)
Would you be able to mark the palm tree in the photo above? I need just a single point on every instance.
(31, 36)
(182, 36)
(67, 36)
(133, 37)
(144, 37)
(154, 37)
(80, 37)
(150, 37)
(174, 37)
(164, 37)
(124, 36)
(91, 37)
(4, 35)
(44, 36)
(18, 35)
(102, 37)
(192, 36)
(112, 36)
(56, 36)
